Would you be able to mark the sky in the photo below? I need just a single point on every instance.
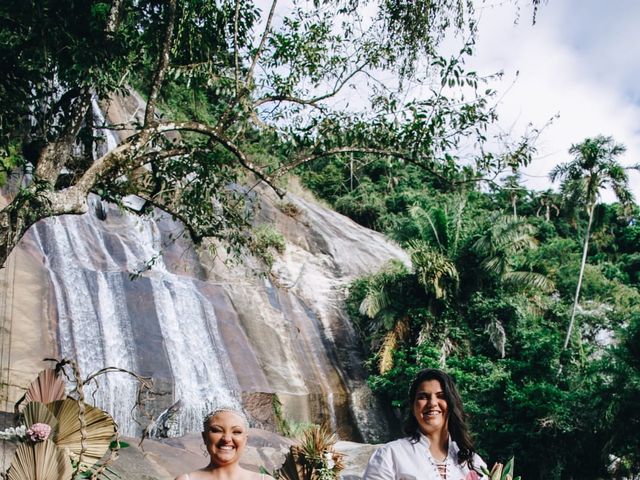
(580, 61)
(579, 65)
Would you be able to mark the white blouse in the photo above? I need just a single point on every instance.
(403, 460)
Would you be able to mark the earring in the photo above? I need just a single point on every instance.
(204, 450)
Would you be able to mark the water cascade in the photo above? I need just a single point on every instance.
(207, 333)
(99, 324)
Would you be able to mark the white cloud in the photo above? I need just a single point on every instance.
(584, 74)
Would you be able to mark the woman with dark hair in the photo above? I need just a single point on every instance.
(438, 445)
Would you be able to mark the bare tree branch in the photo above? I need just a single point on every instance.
(339, 150)
(382, 152)
(220, 139)
(163, 63)
(265, 35)
(340, 83)
(235, 47)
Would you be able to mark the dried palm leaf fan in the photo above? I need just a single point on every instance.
(48, 387)
(39, 461)
(36, 412)
(86, 443)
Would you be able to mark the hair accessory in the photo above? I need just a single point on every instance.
(218, 410)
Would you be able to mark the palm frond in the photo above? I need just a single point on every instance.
(497, 336)
(496, 265)
(389, 344)
(48, 387)
(528, 280)
(40, 461)
(385, 354)
(436, 273)
(36, 412)
(376, 300)
(88, 442)
(456, 226)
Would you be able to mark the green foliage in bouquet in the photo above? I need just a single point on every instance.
(501, 472)
(314, 458)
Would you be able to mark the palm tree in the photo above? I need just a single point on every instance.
(547, 201)
(496, 248)
(433, 261)
(512, 185)
(593, 169)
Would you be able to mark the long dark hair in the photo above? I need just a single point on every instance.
(458, 429)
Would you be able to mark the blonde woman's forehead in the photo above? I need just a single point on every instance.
(227, 417)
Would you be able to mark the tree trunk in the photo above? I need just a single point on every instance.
(582, 266)
(31, 205)
(13, 224)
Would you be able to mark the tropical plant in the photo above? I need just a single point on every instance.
(435, 271)
(444, 227)
(379, 292)
(501, 472)
(547, 201)
(265, 242)
(497, 247)
(513, 186)
(314, 458)
(594, 168)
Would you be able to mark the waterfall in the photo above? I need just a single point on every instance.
(89, 268)
(107, 141)
(93, 326)
(199, 361)
(99, 312)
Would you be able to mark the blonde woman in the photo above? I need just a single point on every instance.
(225, 433)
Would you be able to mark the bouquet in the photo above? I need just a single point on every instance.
(500, 472)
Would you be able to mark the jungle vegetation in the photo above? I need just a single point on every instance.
(232, 92)
(497, 277)
(530, 299)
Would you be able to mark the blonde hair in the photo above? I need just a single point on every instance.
(213, 413)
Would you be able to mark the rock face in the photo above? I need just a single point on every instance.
(165, 459)
(208, 333)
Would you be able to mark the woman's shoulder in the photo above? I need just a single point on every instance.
(404, 444)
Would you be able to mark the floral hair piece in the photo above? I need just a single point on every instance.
(213, 413)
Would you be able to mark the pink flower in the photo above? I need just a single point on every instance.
(39, 432)
(472, 475)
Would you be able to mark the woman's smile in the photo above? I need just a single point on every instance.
(430, 407)
(225, 438)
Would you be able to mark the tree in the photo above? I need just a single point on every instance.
(515, 190)
(230, 90)
(506, 237)
(594, 168)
